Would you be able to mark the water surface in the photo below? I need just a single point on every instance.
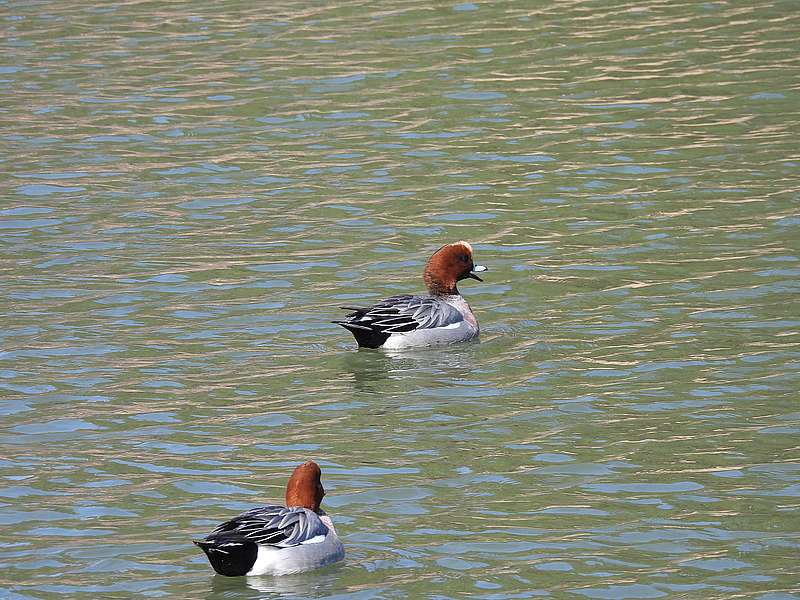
(191, 190)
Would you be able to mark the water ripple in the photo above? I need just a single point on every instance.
(193, 195)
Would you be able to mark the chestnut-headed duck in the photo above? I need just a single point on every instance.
(441, 317)
(278, 540)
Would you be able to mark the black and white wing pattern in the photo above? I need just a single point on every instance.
(399, 314)
(273, 526)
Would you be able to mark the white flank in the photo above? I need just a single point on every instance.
(314, 540)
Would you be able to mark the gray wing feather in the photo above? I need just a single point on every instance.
(400, 314)
(275, 526)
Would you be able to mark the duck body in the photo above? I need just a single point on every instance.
(406, 321)
(272, 540)
(412, 321)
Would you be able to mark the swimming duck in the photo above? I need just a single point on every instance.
(441, 317)
(278, 540)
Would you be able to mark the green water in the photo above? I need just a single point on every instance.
(190, 190)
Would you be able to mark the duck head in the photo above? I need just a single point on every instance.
(449, 265)
(304, 488)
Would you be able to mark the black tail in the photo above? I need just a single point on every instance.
(228, 557)
(365, 337)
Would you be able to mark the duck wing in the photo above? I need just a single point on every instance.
(401, 314)
(271, 526)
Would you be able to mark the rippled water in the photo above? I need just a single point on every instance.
(190, 190)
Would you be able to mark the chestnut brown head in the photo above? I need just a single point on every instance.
(304, 487)
(449, 265)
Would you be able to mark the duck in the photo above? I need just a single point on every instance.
(408, 321)
(278, 540)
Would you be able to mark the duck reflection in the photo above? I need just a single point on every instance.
(371, 370)
(299, 586)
